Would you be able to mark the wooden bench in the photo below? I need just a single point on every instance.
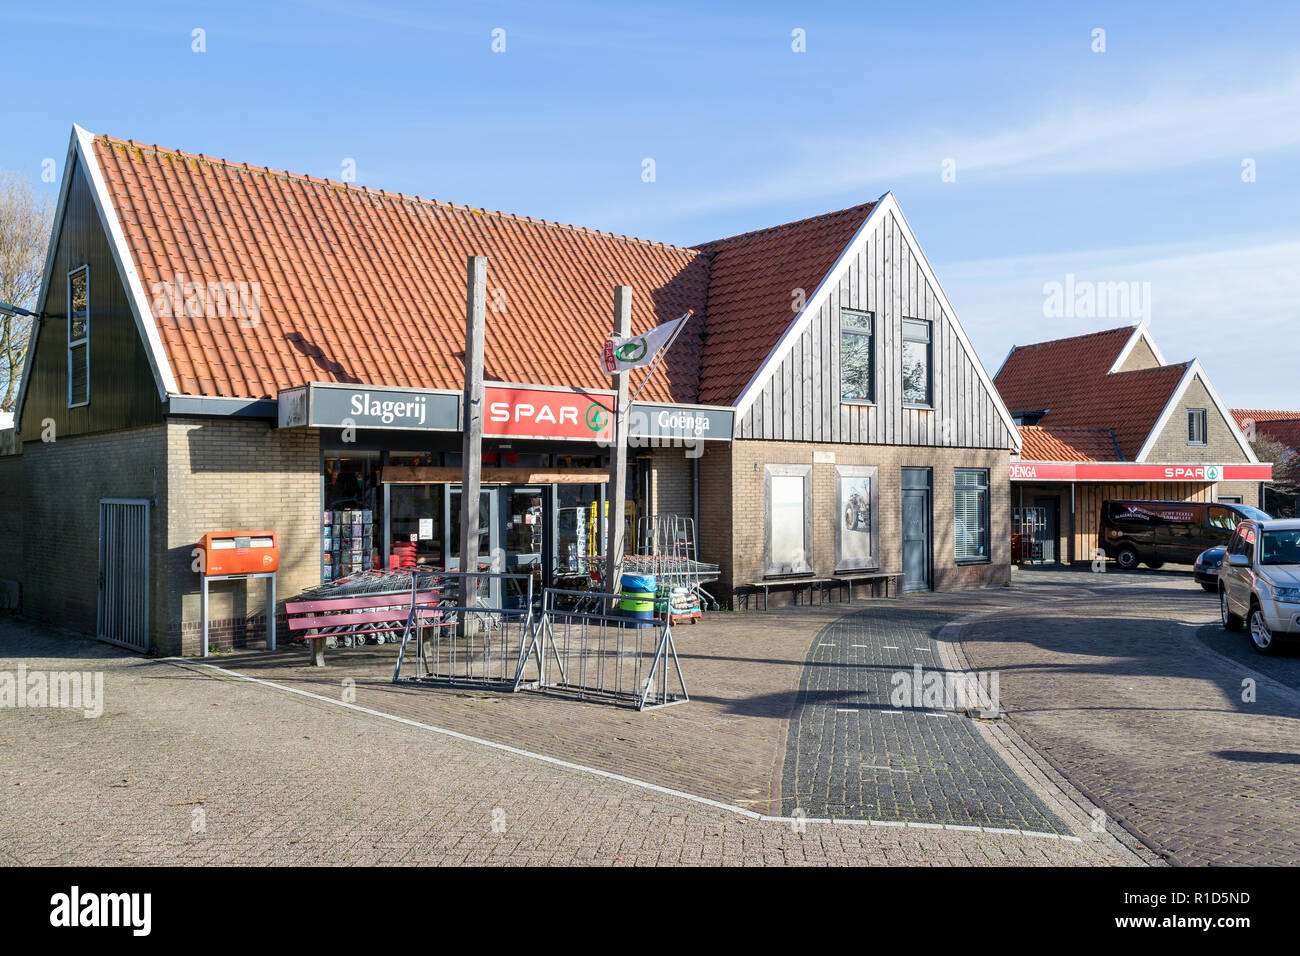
(361, 616)
(823, 584)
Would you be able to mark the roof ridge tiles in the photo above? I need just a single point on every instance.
(786, 225)
(420, 200)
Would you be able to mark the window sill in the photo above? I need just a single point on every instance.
(963, 562)
(918, 407)
(786, 575)
(858, 402)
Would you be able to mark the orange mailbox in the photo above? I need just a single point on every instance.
(240, 552)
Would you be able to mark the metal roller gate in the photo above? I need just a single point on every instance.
(123, 616)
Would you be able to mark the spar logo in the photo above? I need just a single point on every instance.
(631, 351)
(597, 416)
(1194, 472)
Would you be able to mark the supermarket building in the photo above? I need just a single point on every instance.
(232, 347)
(1105, 416)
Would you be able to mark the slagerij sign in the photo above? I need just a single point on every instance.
(340, 406)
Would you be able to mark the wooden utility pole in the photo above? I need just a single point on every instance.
(471, 471)
(617, 490)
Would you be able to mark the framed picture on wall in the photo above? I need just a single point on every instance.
(857, 527)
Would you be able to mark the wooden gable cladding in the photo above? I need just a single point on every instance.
(800, 401)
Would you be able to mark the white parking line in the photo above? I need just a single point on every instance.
(606, 774)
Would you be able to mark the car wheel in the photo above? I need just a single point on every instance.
(1155, 565)
(1127, 558)
(1260, 636)
(1231, 622)
(1208, 587)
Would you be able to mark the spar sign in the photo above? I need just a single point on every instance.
(516, 411)
(1136, 471)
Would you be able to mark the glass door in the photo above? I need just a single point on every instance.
(489, 542)
(523, 523)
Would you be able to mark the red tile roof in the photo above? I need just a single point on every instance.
(358, 285)
(1068, 444)
(365, 286)
(1280, 426)
(1257, 415)
(753, 278)
(1070, 379)
(1059, 373)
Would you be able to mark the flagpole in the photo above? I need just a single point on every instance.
(661, 353)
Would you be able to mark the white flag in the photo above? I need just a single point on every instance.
(621, 354)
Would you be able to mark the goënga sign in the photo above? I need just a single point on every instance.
(680, 422)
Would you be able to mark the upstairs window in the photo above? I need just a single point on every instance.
(79, 337)
(917, 352)
(1196, 426)
(857, 357)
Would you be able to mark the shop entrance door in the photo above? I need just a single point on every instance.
(489, 540)
(523, 522)
(916, 529)
(1048, 506)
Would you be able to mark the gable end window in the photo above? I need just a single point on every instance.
(79, 337)
(1196, 426)
(917, 355)
(857, 357)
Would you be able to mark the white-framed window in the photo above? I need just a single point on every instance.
(970, 508)
(917, 355)
(1196, 420)
(857, 534)
(789, 503)
(857, 357)
(79, 337)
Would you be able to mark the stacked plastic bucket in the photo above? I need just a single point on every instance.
(638, 601)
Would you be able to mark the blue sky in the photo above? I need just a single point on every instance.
(1123, 165)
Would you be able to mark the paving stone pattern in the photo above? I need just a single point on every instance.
(852, 754)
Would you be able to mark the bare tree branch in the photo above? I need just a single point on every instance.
(25, 222)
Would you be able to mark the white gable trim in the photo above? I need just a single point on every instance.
(56, 229)
(812, 305)
(1141, 333)
(885, 205)
(955, 322)
(140, 309)
(1195, 371)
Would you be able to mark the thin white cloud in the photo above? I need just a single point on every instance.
(1163, 128)
(1234, 305)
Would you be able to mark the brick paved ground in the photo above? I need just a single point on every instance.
(852, 753)
(279, 778)
(1120, 690)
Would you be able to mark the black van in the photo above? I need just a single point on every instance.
(1154, 532)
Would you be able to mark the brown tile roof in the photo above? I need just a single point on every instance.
(358, 285)
(753, 278)
(1070, 379)
(1068, 444)
(1281, 426)
(1055, 374)
(1257, 415)
(365, 286)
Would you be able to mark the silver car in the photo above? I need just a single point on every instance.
(1259, 581)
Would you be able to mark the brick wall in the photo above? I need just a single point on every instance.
(748, 507)
(11, 518)
(232, 474)
(670, 483)
(716, 520)
(62, 483)
(1220, 446)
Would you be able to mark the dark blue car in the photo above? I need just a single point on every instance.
(1206, 568)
